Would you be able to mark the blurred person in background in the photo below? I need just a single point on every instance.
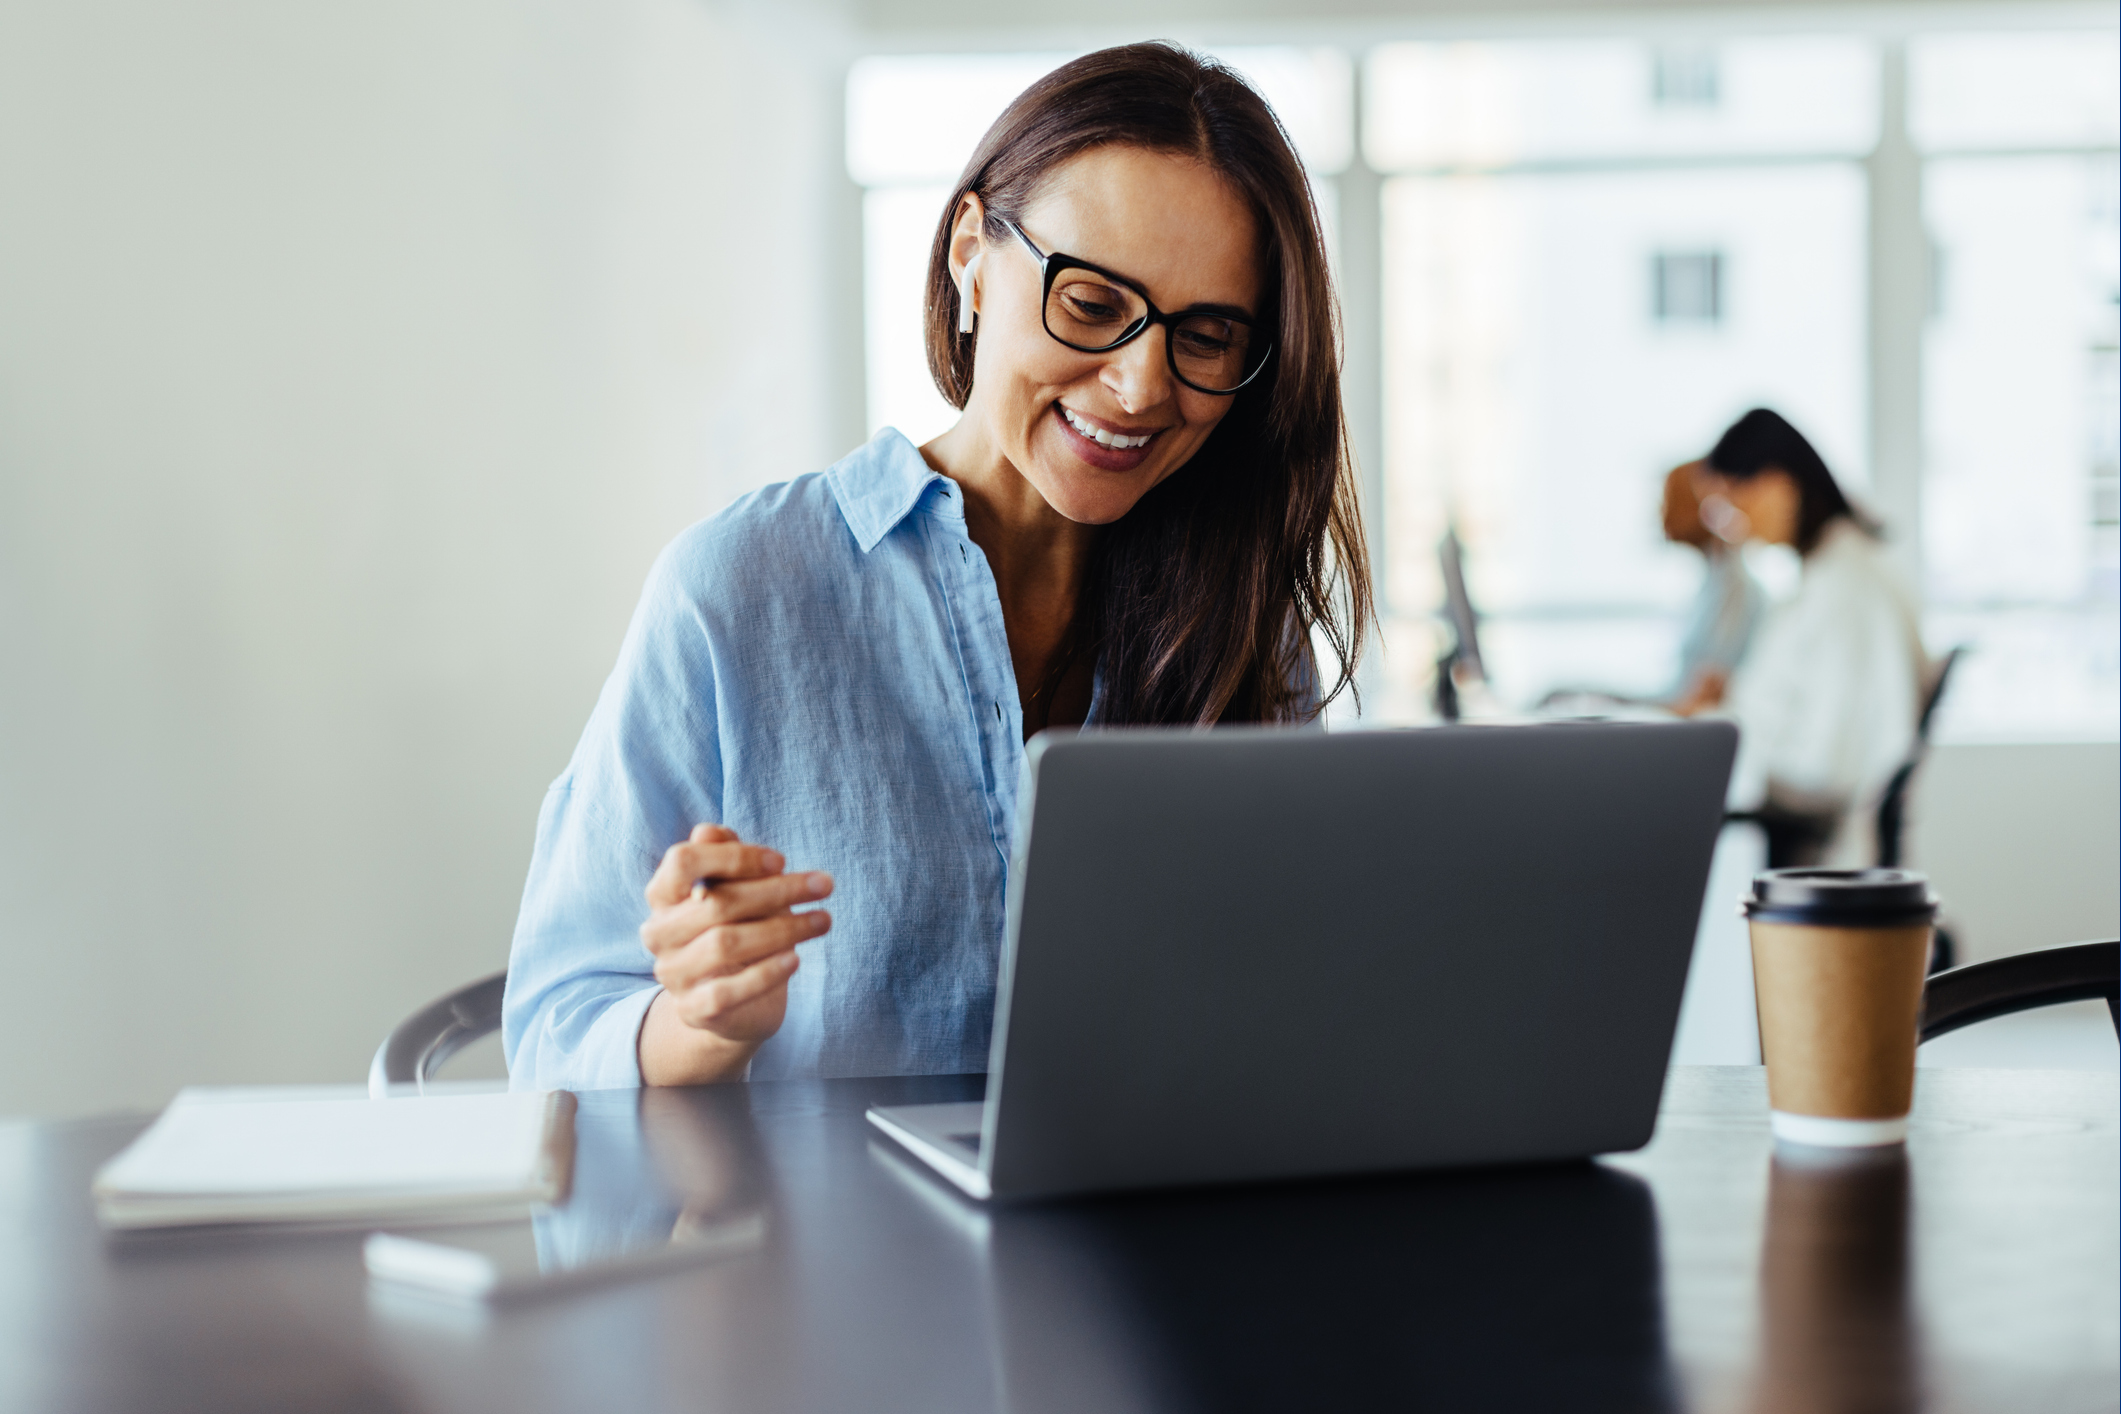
(1143, 516)
(1828, 697)
(1727, 608)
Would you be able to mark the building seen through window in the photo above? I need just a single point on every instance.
(1688, 286)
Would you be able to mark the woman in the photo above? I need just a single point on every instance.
(1827, 698)
(1141, 516)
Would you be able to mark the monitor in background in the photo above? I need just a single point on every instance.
(1463, 657)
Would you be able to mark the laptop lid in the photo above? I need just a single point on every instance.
(1257, 953)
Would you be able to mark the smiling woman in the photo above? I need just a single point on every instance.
(1143, 515)
(1167, 181)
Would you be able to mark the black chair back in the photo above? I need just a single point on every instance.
(1935, 695)
(1892, 806)
(2049, 977)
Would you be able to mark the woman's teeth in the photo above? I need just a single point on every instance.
(1104, 438)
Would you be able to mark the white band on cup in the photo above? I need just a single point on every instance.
(1837, 1133)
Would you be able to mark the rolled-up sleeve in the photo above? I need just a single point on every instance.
(579, 981)
(644, 772)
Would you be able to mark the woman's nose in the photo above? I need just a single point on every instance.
(1139, 374)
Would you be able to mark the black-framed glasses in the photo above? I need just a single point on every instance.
(1092, 310)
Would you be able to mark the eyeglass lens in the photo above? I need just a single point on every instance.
(1086, 311)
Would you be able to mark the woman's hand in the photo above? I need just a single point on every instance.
(1705, 695)
(723, 931)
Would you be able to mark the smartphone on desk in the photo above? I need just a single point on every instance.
(548, 1254)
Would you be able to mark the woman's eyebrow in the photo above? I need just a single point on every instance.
(1232, 311)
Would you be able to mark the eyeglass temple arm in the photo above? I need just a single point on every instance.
(1018, 231)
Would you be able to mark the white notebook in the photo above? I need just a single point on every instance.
(311, 1155)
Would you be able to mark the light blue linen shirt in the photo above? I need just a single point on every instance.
(1720, 626)
(823, 669)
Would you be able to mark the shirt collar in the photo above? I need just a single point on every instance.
(882, 483)
(1838, 539)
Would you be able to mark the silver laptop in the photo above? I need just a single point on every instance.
(1259, 954)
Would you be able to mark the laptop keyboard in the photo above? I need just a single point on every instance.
(969, 1141)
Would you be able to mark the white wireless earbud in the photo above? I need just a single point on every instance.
(964, 296)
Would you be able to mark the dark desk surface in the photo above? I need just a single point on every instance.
(1980, 1272)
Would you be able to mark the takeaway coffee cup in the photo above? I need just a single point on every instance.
(1838, 961)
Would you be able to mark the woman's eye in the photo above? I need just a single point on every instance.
(1203, 342)
(1093, 304)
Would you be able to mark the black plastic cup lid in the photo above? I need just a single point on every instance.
(1859, 898)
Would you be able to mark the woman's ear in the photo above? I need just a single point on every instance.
(968, 242)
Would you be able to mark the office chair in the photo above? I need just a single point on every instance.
(1795, 839)
(2049, 977)
(1892, 806)
(1465, 627)
(417, 1046)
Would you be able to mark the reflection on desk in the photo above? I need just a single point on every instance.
(1836, 1330)
(657, 1184)
(1976, 1272)
(654, 1172)
(1533, 1289)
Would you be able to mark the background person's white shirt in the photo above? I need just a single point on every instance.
(1827, 699)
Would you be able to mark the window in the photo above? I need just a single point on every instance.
(2019, 535)
(1490, 105)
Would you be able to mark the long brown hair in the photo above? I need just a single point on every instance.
(1202, 599)
(1764, 440)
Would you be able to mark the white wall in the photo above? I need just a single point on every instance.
(355, 360)
(2023, 843)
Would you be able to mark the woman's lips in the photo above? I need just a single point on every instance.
(1099, 455)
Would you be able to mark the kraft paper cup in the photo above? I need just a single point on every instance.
(1839, 957)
